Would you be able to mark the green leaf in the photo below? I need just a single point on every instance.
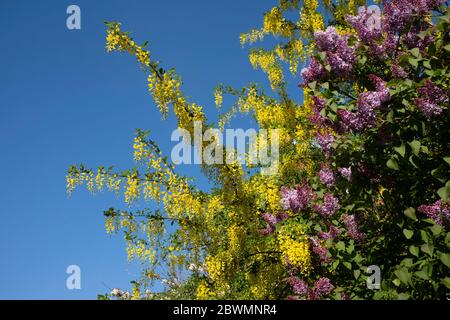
(347, 264)
(422, 274)
(446, 282)
(408, 233)
(403, 296)
(415, 146)
(410, 213)
(414, 250)
(401, 150)
(356, 273)
(445, 259)
(413, 62)
(403, 275)
(436, 229)
(444, 193)
(447, 47)
(415, 52)
(350, 248)
(392, 164)
(447, 159)
(340, 246)
(424, 236)
(396, 282)
(427, 248)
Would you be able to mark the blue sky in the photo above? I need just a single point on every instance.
(64, 100)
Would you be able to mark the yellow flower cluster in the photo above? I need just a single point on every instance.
(251, 37)
(235, 237)
(294, 245)
(132, 189)
(140, 151)
(275, 23)
(218, 98)
(213, 206)
(179, 200)
(151, 190)
(262, 58)
(204, 292)
(139, 251)
(117, 40)
(275, 76)
(266, 192)
(164, 90)
(216, 267)
(110, 225)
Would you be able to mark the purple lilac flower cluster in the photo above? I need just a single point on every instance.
(399, 14)
(315, 71)
(340, 55)
(327, 176)
(321, 252)
(346, 173)
(271, 221)
(325, 141)
(317, 118)
(431, 97)
(297, 199)
(438, 211)
(298, 286)
(331, 234)
(352, 226)
(329, 207)
(367, 32)
(365, 117)
(398, 72)
(321, 288)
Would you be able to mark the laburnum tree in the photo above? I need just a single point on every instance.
(363, 175)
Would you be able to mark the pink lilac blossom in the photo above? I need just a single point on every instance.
(269, 218)
(346, 173)
(365, 116)
(431, 97)
(272, 220)
(352, 226)
(325, 141)
(399, 14)
(412, 39)
(331, 234)
(281, 216)
(329, 207)
(398, 72)
(340, 56)
(267, 230)
(327, 176)
(345, 296)
(321, 252)
(296, 199)
(323, 287)
(314, 72)
(317, 118)
(438, 211)
(367, 31)
(298, 286)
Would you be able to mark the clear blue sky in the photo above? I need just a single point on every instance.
(64, 100)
